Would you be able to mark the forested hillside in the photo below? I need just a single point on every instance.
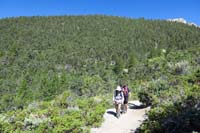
(49, 66)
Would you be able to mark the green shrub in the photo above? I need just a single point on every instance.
(45, 127)
(71, 122)
(145, 98)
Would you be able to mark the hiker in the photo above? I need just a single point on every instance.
(126, 93)
(118, 100)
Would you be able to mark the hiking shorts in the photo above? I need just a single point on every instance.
(125, 100)
(118, 101)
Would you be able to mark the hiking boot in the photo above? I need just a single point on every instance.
(123, 112)
(118, 115)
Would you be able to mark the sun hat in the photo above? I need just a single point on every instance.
(118, 88)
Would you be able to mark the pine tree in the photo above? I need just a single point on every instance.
(132, 60)
(119, 66)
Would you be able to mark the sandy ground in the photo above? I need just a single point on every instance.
(127, 123)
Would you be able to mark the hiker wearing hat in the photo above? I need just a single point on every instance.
(118, 99)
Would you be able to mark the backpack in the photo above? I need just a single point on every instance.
(118, 95)
(125, 91)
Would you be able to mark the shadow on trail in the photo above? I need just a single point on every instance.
(111, 113)
(134, 106)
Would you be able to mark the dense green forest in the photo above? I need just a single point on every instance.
(49, 66)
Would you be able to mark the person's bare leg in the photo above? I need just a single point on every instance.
(126, 107)
(116, 107)
(119, 108)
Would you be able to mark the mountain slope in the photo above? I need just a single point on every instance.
(37, 48)
(41, 58)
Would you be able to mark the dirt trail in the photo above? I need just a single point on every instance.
(127, 123)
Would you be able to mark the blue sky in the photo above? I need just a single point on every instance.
(149, 9)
